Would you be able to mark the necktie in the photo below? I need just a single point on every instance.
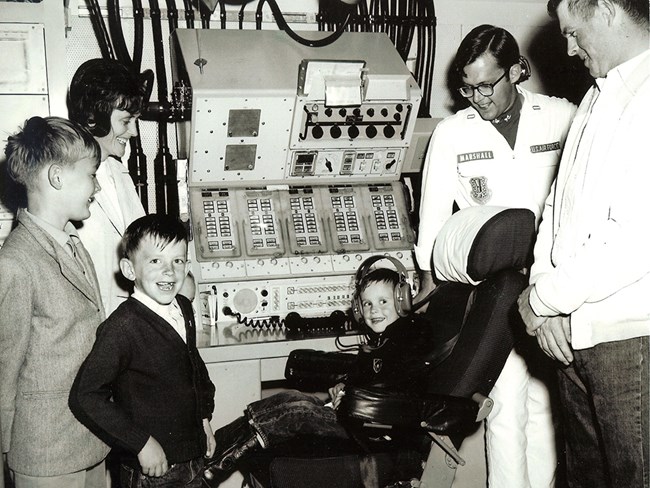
(78, 252)
(72, 247)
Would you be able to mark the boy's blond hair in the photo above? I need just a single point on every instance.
(46, 140)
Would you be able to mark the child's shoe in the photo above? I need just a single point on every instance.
(235, 441)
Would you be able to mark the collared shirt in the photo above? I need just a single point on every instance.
(102, 232)
(591, 259)
(171, 313)
(624, 69)
(60, 236)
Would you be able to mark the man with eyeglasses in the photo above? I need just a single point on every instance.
(502, 150)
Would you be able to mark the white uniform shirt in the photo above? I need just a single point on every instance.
(468, 161)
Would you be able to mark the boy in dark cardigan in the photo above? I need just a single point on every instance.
(144, 389)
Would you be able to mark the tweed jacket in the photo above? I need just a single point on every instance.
(49, 314)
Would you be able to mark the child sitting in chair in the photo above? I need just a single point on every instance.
(395, 357)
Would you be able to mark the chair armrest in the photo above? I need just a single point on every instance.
(485, 405)
(311, 369)
(442, 414)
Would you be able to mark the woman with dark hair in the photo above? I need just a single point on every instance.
(107, 99)
(502, 150)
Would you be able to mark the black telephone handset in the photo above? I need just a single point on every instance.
(336, 322)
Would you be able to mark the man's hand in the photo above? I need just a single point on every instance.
(532, 321)
(554, 337)
(336, 393)
(427, 285)
(152, 459)
(210, 440)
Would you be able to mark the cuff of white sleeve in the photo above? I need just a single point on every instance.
(538, 306)
(423, 258)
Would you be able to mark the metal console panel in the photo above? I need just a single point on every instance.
(294, 160)
(266, 109)
(314, 294)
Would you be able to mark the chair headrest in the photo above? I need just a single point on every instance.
(477, 242)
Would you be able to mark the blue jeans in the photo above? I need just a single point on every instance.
(291, 413)
(604, 396)
(187, 474)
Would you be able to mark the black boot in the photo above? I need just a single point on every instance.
(235, 441)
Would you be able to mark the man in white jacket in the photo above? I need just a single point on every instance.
(502, 150)
(588, 301)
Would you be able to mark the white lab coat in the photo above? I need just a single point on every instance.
(116, 205)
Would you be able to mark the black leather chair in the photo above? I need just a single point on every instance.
(476, 322)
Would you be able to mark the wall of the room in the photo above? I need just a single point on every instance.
(70, 29)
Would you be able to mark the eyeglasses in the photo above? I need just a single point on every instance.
(485, 89)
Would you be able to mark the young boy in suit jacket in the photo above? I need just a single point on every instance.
(50, 308)
(144, 389)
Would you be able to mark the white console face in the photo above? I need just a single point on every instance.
(266, 110)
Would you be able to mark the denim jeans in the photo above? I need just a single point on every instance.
(604, 396)
(187, 474)
(291, 413)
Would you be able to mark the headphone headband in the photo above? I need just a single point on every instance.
(402, 293)
(364, 268)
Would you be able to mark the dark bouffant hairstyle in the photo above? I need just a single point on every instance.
(100, 86)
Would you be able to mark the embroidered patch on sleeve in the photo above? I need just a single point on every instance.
(551, 146)
(481, 193)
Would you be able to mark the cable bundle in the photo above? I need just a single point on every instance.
(402, 21)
